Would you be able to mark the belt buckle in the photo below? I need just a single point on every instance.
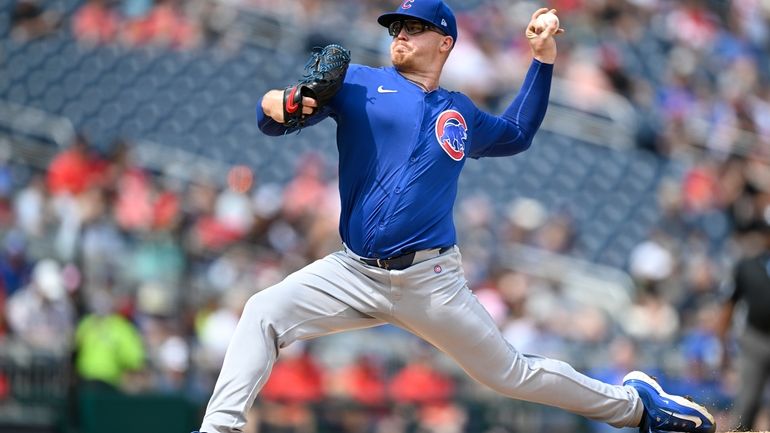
(382, 264)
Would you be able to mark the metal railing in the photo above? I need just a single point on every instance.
(588, 283)
(23, 119)
(35, 386)
(609, 121)
(34, 137)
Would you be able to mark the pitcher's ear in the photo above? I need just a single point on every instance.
(447, 43)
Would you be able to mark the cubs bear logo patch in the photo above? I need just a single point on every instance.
(451, 133)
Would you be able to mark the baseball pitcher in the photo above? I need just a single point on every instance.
(402, 142)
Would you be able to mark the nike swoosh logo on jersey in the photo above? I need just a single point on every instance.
(383, 90)
(694, 419)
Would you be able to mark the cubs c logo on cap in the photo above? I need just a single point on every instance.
(451, 133)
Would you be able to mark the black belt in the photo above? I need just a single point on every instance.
(398, 262)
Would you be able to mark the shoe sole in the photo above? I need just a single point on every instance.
(643, 377)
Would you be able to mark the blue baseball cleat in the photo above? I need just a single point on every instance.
(665, 412)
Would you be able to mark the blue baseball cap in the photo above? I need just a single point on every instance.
(435, 12)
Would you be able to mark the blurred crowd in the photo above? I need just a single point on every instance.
(144, 278)
(97, 246)
(696, 71)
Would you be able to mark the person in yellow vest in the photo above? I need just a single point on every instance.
(108, 346)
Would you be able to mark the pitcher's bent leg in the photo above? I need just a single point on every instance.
(297, 308)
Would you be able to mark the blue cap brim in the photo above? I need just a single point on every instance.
(386, 19)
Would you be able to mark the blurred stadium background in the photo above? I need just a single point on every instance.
(140, 207)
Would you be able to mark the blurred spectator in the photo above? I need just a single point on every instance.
(700, 287)
(307, 206)
(3, 334)
(419, 382)
(493, 302)
(295, 378)
(524, 217)
(361, 382)
(216, 327)
(6, 190)
(41, 314)
(109, 348)
(673, 221)
(651, 318)
(198, 209)
(15, 268)
(30, 21)
(103, 249)
(693, 24)
(750, 282)
(173, 363)
(557, 234)
(167, 352)
(421, 385)
(296, 381)
(233, 208)
(470, 67)
(142, 203)
(96, 22)
(30, 207)
(521, 329)
(701, 188)
(74, 170)
(702, 350)
(134, 200)
(165, 25)
(652, 262)
(623, 357)
(478, 235)
(303, 194)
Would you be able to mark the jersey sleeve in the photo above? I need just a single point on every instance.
(513, 131)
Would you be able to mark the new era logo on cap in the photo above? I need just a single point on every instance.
(435, 12)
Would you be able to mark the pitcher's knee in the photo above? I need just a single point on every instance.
(253, 306)
(262, 308)
(271, 316)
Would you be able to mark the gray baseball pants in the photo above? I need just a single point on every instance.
(430, 299)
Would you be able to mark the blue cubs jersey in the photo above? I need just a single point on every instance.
(401, 151)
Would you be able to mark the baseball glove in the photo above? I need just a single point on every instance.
(324, 74)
